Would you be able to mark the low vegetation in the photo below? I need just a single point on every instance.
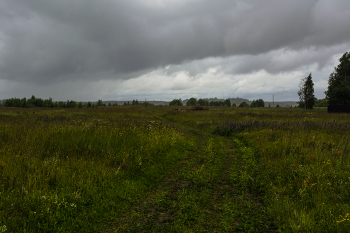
(156, 169)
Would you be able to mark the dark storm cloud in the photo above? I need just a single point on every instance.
(50, 41)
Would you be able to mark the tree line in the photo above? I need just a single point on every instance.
(48, 103)
(202, 102)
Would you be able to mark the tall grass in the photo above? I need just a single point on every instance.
(74, 170)
(303, 169)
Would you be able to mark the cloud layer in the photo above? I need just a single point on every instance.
(85, 42)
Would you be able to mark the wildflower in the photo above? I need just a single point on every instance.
(3, 228)
(297, 166)
(293, 166)
(1, 166)
(306, 181)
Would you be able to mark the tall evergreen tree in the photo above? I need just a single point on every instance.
(339, 82)
(306, 93)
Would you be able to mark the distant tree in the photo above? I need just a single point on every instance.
(278, 106)
(38, 102)
(147, 104)
(8, 103)
(80, 105)
(71, 104)
(191, 102)
(218, 103)
(258, 103)
(203, 102)
(175, 102)
(24, 102)
(321, 102)
(227, 103)
(16, 102)
(99, 103)
(213, 103)
(62, 104)
(338, 92)
(135, 102)
(88, 104)
(244, 104)
(109, 104)
(269, 105)
(48, 103)
(306, 93)
(234, 105)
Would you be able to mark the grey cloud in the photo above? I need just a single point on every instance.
(51, 41)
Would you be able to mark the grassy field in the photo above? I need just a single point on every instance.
(155, 169)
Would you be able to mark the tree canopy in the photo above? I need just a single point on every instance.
(338, 92)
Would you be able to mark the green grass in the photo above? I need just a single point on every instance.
(154, 169)
(303, 170)
(73, 171)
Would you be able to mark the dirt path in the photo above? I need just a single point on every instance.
(205, 192)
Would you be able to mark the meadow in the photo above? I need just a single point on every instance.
(156, 169)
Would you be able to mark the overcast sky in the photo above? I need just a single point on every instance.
(86, 50)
